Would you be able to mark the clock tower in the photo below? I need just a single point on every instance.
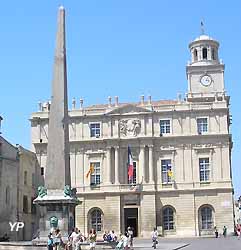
(205, 72)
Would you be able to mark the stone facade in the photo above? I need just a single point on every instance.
(9, 171)
(19, 178)
(29, 180)
(181, 151)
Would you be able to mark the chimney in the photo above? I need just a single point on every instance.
(149, 99)
(116, 101)
(81, 103)
(73, 103)
(142, 99)
(109, 101)
(179, 97)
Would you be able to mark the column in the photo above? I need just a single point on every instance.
(142, 163)
(117, 165)
(151, 175)
(108, 169)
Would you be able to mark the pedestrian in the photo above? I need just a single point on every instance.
(130, 237)
(224, 231)
(216, 232)
(73, 237)
(50, 243)
(154, 237)
(92, 239)
(238, 231)
(57, 240)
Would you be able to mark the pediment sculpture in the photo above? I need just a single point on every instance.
(130, 127)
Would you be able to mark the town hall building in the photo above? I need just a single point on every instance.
(181, 150)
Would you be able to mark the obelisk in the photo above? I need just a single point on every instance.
(58, 167)
(56, 199)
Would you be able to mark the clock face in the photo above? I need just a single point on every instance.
(206, 80)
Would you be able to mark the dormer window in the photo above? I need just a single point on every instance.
(205, 54)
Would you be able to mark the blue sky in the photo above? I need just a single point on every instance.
(125, 48)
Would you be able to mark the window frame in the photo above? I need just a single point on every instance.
(200, 126)
(25, 204)
(25, 177)
(96, 220)
(95, 135)
(165, 179)
(134, 179)
(95, 177)
(168, 219)
(206, 53)
(164, 131)
(208, 222)
(204, 171)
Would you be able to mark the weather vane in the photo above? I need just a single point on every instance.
(202, 27)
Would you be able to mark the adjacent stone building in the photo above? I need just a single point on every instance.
(19, 178)
(181, 149)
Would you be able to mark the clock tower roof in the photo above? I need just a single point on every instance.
(204, 51)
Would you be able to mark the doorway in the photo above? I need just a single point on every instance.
(131, 219)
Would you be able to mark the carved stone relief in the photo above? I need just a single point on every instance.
(130, 127)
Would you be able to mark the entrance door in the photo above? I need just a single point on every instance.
(131, 219)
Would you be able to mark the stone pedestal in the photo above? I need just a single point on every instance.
(56, 211)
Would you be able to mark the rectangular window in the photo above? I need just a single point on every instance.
(204, 169)
(165, 127)
(42, 170)
(202, 125)
(95, 176)
(95, 130)
(166, 171)
(25, 177)
(25, 204)
(133, 181)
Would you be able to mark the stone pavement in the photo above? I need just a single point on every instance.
(229, 243)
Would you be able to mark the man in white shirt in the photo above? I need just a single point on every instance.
(75, 236)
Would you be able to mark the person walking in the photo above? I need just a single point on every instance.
(154, 237)
(224, 231)
(216, 232)
(130, 237)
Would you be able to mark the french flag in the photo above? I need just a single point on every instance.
(130, 165)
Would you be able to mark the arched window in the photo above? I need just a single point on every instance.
(206, 215)
(168, 218)
(195, 55)
(96, 220)
(205, 53)
(7, 199)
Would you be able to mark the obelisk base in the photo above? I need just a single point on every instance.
(56, 212)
